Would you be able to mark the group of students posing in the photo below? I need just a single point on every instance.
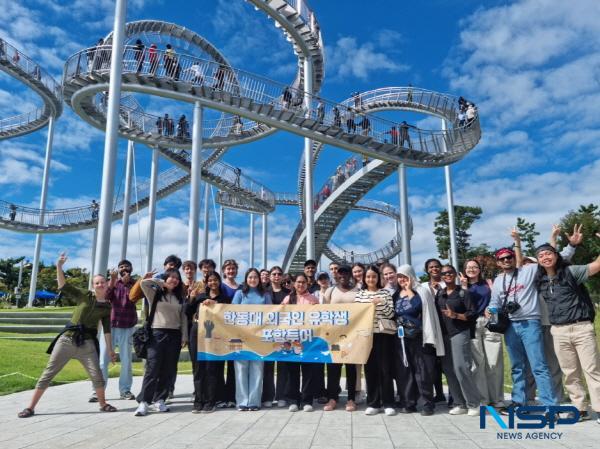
(420, 331)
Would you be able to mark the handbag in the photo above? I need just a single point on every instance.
(142, 336)
(387, 326)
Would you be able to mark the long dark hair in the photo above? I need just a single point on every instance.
(293, 292)
(246, 287)
(374, 269)
(206, 288)
(177, 291)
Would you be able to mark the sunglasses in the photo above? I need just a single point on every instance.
(276, 273)
(448, 273)
(505, 258)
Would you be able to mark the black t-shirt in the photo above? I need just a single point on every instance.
(459, 300)
(277, 297)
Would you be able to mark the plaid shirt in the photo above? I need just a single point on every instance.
(124, 313)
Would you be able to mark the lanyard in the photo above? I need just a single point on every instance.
(514, 279)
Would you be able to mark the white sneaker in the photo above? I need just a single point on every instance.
(267, 404)
(159, 406)
(458, 411)
(142, 409)
(390, 411)
(371, 411)
(293, 408)
(282, 403)
(307, 408)
(473, 412)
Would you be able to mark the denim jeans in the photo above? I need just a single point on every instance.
(525, 342)
(121, 338)
(248, 383)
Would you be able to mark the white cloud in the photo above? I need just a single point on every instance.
(350, 59)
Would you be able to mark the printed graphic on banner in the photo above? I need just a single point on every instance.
(324, 333)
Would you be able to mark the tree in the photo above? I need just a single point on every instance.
(589, 217)
(10, 273)
(465, 216)
(528, 234)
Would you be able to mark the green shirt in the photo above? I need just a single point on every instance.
(88, 313)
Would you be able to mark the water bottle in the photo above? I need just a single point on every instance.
(494, 313)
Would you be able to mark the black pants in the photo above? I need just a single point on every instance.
(378, 372)
(419, 373)
(205, 374)
(293, 392)
(320, 390)
(437, 378)
(334, 374)
(282, 381)
(268, 391)
(406, 384)
(226, 387)
(161, 365)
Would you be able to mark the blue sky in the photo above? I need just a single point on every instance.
(531, 66)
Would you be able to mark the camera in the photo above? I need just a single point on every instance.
(511, 307)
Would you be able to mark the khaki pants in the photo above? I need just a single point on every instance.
(489, 363)
(65, 350)
(577, 351)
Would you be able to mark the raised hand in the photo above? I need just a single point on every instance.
(577, 237)
(464, 281)
(515, 234)
(555, 231)
(149, 274)
(61, 259)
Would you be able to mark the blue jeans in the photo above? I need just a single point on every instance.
(248, 383)
(121, 338)
(525, 342)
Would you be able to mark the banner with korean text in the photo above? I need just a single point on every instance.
(321, 333)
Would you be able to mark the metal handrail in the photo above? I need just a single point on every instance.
(20, 120)
(232, 176)
(386, 252)
(19, 59)
(139, 119)
(71, 216)
(264, 91)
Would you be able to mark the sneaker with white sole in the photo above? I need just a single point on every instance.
(282, 403)
(473, 411)
(307, 408)
(458, 411)
(293, 408)
(371, 411)
(159, 406)
(390, 411)
(142, 409)
(267, 404)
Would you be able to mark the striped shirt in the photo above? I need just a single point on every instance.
(383, 310)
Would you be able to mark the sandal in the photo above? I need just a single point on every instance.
(330, 406)
(350, 406)
(108, 408)
(26, 413)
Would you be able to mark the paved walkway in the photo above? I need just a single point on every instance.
(65, 419)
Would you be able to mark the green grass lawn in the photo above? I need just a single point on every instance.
(29, 360)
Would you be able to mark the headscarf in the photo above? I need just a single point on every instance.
(432, 332)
